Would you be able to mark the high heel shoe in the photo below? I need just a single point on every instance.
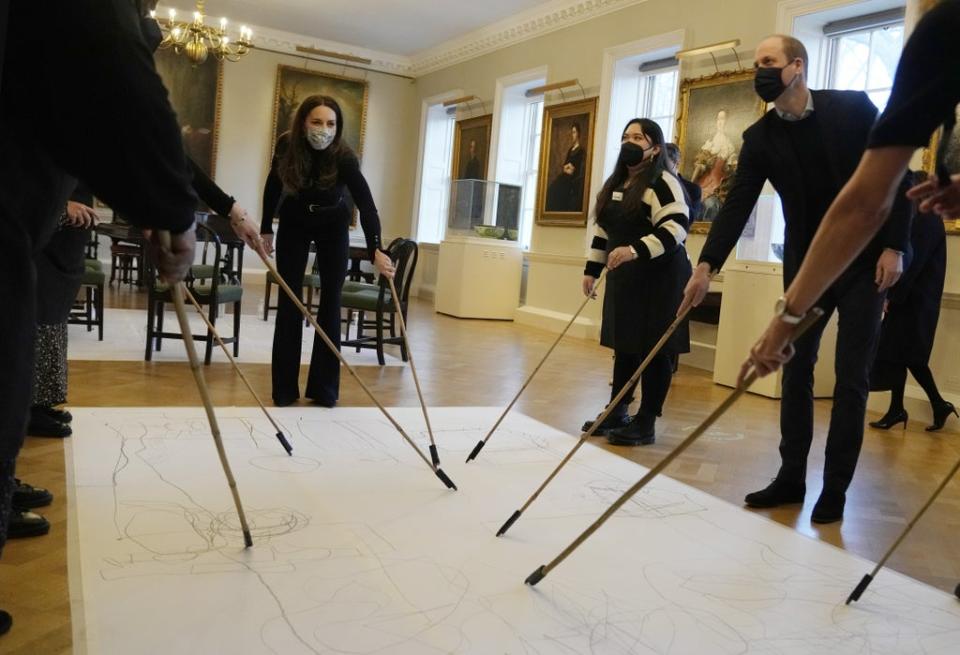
(940, 413)
(891, 419)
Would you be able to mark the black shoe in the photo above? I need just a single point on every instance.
(26, 524)
(284, 402)
(829, 507)
(618, 418)
(330, 404)
(778, 492)
(890, 419)
(639, 432)
(26, 496)
(61, 415)
(6, 622)
(43, 425)
(940, 413)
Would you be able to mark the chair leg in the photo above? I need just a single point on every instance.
(360, 316)
(208, 350)
(88, 308)
(236, 329)
(380, 338)
(266, 301)
(159, 325)
(148, 353)
(99, 297)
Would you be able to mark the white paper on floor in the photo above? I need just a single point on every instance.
(125, 340)
(359, 548)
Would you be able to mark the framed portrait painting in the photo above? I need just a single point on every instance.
(294, 85)
(566, 154)
(471, 148)
(195, 96)
(714, 111)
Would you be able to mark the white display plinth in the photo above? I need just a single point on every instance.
(750, 291)
(479, 278)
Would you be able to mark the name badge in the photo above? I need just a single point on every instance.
(617, 196)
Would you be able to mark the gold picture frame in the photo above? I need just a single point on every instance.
(713, 111)
(566, 160)
(475, 132)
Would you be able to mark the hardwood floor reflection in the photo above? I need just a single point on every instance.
(483, 363)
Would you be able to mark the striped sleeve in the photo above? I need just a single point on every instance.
(597, 253)
(670, 217)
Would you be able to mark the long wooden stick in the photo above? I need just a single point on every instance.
(434, 454)
(603, 416)
(812, 317)
(226, 351)
(323, 335)
(176, 291)
(483, 442)
(867, 579)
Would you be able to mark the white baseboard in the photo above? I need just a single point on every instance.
(552, 321)
(701, 356)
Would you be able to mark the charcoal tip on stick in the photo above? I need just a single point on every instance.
(446, 480)
(859, 589)
(247, 539)
(535, 577)
(434, 456)
(286, 444)
(476, 451)
(510, 521)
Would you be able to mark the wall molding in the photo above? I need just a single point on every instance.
(515, 29)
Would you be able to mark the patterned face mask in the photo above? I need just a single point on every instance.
(320, 138)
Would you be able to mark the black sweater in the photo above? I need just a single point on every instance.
(349, 178)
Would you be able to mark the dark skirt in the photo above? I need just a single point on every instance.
(640, 303)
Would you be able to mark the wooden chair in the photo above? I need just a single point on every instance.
(89, 311)
(376, 299)
(204, 282)
(311, 284)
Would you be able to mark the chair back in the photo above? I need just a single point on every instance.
(204, 272)
(404, 253)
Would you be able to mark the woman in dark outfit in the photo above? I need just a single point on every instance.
(642, 221)
(311, 173)
(566, 191)
(910, 324)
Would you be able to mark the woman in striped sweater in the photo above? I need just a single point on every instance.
(641, 223)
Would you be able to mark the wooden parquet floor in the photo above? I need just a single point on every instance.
(483, 363)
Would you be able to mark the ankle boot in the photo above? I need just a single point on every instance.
(941, 411)
(890, 419)
(618, 418)
(639, 432)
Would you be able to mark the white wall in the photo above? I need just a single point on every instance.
(245, 135)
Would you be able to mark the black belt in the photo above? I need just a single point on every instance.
(318, 209)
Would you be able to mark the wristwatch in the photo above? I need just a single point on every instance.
(781, 311)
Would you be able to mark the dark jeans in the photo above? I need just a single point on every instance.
(654, 381)
(859, 305)
(331, 237)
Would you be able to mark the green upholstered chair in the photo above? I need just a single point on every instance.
(204, 282)
(89, 310)
(311, 284)
(374, 303)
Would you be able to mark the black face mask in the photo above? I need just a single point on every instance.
(150, 29)
(768, 83)
(631, 154)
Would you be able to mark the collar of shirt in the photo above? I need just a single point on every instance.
(806, 111)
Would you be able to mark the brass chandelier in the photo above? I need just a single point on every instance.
(197, 40)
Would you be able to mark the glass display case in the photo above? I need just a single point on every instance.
(479, 208)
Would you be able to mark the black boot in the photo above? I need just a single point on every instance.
(6, 621)
(26, 524)
(26, 496)
(890, 419)
(779, 492)
(639, 432)
(829, 507)
(43, 425)
(616, 419)
(61, 415)
(940, 413)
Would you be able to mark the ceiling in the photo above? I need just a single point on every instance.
(400, 27)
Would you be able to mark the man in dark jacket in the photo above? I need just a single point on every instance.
(691, 189)
(807, 146)
(140, 170)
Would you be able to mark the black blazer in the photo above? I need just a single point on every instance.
(694, 193)
(845, 119)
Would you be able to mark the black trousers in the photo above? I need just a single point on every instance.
(654, 381)
(331, 236)
(859, 306)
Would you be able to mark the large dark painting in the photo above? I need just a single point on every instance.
(195, 96)
(566, 154)
(471, 148)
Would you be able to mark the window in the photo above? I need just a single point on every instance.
(864, 52)
(533, 127)
(658, 96)
(435, 175)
